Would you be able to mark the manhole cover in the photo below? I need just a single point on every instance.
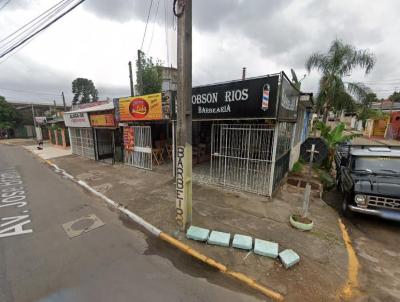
(82, 225)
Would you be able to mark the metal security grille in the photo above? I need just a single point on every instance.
(241, 156)
(285, 133)
(141, 154)
(82, 142)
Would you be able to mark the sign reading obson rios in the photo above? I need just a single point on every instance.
(253, 98)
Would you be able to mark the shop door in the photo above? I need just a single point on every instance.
(105, 144)
(241, 156)
(138, 147)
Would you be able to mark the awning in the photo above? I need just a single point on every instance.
(102, 107)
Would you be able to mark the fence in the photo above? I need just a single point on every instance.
(82, 142)
(241, 157)
(139, 155)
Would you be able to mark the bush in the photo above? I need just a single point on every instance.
(327, 181)
(297, 167)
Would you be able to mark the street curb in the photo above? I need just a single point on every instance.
(350, 289)
(174, 242)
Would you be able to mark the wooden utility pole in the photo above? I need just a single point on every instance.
(183, 10)
(63, 98)
(131, 78)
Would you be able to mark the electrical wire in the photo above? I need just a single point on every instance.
(166, 30)
(41, 29)
(45, 12)
(37, 24)
(147, 22)
(5, 4)
(154, 25)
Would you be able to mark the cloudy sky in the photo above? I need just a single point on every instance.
(98, 38)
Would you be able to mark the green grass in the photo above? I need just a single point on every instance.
(297, 167)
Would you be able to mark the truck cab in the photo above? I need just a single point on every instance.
(369, 178)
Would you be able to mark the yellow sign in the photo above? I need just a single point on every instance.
(102, 119)
(141, 108)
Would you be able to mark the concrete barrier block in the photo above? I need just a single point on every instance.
(289, 258)
(266, 248)
(242, 242)
(219, 238)
(197, 233)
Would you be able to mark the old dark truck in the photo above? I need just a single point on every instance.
(369, 177)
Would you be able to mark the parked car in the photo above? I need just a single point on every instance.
(369, 178)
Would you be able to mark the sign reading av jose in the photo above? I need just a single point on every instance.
(76, 119)
(144, 108)
(253, 98)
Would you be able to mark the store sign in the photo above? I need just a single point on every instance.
(40, 120)
(77, 119)
(289, 101)
(129, 138)
(141, 108)
(253, 98)
(102, 120)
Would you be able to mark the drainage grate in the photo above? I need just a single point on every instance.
(82, 225)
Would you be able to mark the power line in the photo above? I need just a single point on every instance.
(41, 29)
(147, 22)
(5, 4)
(35, 25)
(45, 12)
(154, 25)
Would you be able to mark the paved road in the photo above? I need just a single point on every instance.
(377, 244)
(116, 262)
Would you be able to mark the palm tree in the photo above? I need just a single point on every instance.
(333, 137)
(336, 64)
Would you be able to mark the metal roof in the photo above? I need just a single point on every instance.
(102, 107)
(375, 151)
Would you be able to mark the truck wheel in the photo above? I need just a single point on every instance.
(346, 212)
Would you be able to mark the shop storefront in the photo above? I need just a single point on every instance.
(80, 133)
(242, 132)
(146, 130)
(93, 131)
(106, 135)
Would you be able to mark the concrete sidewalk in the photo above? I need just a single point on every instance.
(48, 151)
(151, 194)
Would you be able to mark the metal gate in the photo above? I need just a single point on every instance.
(140, 153)
(241, 156)
(82, 142)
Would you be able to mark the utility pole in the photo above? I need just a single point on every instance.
(139, 74)
(244, 73)
(183, 10)
(131, 78)
(33, 116)
(63, 98)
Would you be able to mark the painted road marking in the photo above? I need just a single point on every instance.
(350, 290)
(12, 194)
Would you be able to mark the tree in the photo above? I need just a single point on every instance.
(333, 137)
(9, 116)
(148, 75)
(334, 65)
(395, 96)
(84, 91)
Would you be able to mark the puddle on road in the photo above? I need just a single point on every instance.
(185, 263)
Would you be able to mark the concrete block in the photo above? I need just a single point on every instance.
(266, 248)
(219, 238)
(242, 242)
(197, 233)
(289, 258)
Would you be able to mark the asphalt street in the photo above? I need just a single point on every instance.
(376, 242)
(114, 262)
